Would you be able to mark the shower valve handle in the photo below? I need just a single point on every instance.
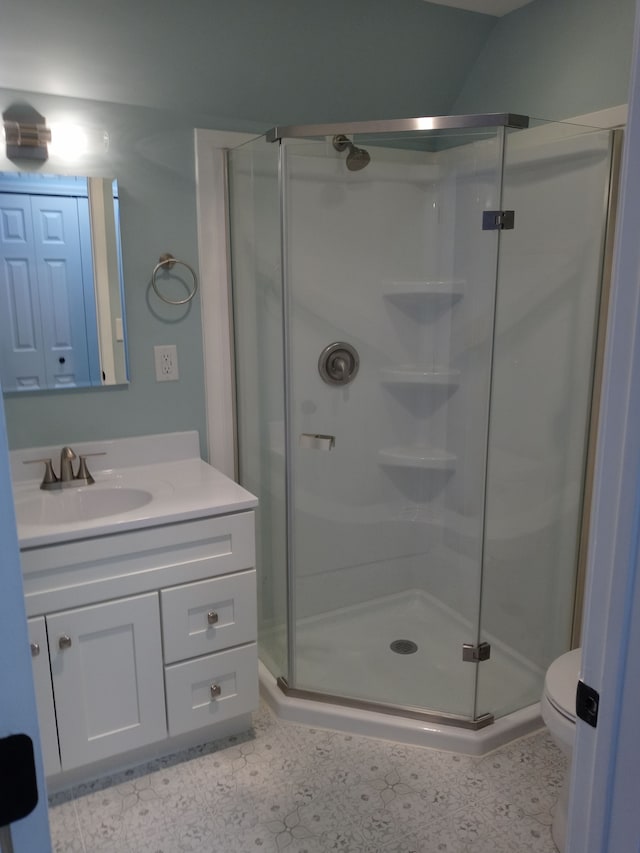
(339, 367)
(338, 363)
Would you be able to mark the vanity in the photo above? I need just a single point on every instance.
(140, 593)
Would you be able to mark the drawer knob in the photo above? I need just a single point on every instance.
(35, 650)
(216, 690)
(212, 617)
(64, 642)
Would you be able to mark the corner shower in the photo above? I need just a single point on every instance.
(420, 512)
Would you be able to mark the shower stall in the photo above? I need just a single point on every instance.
(416, 308)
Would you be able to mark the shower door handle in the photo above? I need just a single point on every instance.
(316, 441)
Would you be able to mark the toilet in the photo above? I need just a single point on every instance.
(558, 707)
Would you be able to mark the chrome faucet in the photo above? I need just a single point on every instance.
(66, 468)
(67, 478)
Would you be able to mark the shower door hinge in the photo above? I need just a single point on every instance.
(498, 220)
(474, 654)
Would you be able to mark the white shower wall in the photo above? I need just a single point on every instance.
(348, 238)
(363, 529)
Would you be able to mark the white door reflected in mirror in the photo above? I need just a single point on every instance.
(62, 322)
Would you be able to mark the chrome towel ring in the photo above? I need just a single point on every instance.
(167, 261)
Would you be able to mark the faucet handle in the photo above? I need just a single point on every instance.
(83, 471)
(49, 474)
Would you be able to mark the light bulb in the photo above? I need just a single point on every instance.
(71, 141)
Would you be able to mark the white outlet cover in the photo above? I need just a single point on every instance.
(166, 363)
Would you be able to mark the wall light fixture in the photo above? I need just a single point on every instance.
(26, 141)
(29, 136)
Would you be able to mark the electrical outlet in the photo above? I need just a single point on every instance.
(166, 359)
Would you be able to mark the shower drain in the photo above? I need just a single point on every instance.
(403, 647)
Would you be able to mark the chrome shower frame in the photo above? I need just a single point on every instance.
(401, 125)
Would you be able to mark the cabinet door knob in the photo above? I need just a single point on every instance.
(35, 650)
(212, 617)
(216, 690)
(64, 642)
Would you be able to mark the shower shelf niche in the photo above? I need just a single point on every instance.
(411, 374)
(415, 291)
(411, 456)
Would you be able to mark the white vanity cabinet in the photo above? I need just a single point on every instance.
(151, 635)
(99, 681)
(106, 667)
(44, 694)
(216, 615)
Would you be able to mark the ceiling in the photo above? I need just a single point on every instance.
(486, 7)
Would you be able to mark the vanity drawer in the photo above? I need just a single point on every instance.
(89, 571)
(204, 617)
(211, 689)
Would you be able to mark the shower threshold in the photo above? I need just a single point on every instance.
(382, 708)
(435, 733)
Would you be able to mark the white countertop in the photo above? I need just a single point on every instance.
(174, 482)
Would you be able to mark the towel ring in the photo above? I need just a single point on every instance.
(167, 260)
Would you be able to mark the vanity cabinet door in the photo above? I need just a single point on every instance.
(106, 662)
(44, 694)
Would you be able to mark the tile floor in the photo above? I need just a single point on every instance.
(288, 787)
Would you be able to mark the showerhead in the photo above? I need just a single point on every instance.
(357, 158)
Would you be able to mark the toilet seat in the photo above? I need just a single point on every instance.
(561, 682)
(558, 707)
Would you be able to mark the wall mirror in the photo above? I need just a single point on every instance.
(62, 322)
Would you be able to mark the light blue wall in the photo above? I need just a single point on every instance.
(151, 152)
(554, 59)
(272, 61)
(242, 65)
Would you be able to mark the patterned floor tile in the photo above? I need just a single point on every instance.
(285, 787)
(66, 836)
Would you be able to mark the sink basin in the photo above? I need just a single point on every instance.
(82, 504)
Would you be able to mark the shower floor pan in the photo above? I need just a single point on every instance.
(348, 653)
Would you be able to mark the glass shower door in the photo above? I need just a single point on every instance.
(254, 205)
(389, 283)
(557, 178)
